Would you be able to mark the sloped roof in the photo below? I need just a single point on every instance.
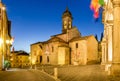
(80, 38)
(44, 42)
(54, 39)
(57, 34)
(20, 52)
(25, 54)
(74, 27)
(14, 51)
(36, 43)
(67, 13)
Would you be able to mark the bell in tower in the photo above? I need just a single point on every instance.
(66, 20)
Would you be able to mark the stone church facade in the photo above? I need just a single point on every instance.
(69, 47)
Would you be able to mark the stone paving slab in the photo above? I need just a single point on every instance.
(81, 73)
(28, 75)
(65, 73)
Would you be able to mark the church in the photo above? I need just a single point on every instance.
(68, 47)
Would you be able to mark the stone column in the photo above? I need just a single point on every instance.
(116, 38)
(109, 48)
(104, 46)
(109, 44)
(104, 53)
(106, 61)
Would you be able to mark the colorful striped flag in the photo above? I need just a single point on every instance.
(101, 2)
(95, 6)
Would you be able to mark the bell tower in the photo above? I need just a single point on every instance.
(66, 21)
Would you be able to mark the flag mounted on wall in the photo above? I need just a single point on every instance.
(95, 7)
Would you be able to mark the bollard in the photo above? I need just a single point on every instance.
(55, 72)
(108, 69)
(109, 72)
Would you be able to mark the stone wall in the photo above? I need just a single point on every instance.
(92, 50)
(63, 55)
(72, 33)
(78, 55)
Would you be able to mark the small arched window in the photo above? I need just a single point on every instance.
(52, 49)
(76, 45)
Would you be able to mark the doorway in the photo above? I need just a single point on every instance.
(40, 59)
(48, 59)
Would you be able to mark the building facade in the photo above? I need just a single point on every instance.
(5, 36)
(19, 59)
(110, 41)
(108, 26)
(69, 47)
(84, 50)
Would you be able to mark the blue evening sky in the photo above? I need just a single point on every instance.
(37, 20)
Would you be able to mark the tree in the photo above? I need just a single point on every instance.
(96, 37)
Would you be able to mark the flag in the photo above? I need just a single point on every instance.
(101, 2)
(95, 6)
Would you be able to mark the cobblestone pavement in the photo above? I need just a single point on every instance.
(65, 73)
(24, 75)
(81, 73)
